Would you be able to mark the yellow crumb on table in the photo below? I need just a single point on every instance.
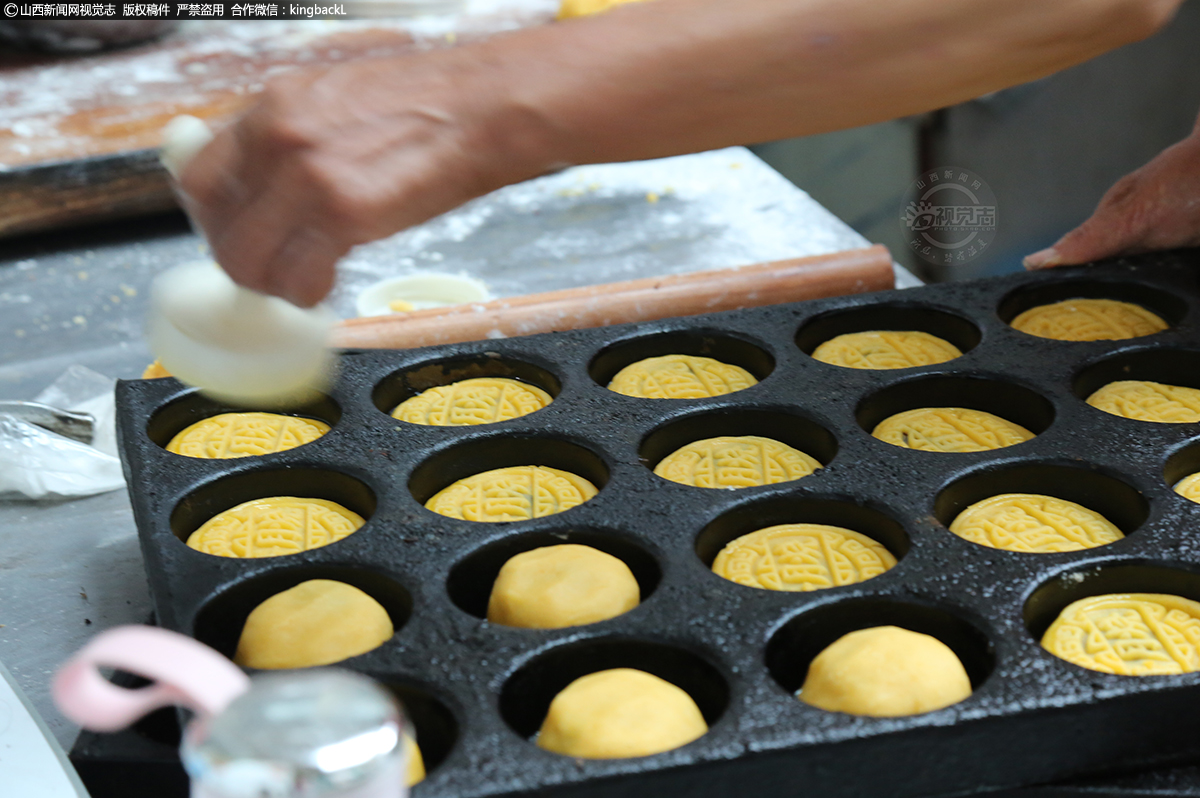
(232, 435)
(1129, 634)
(1031, 522)
(885, 672)
(680, 377)
(517, 493)
(317, 622)
(558, 586)
(275, 527)
(735, 462)
(481, 400)
(950, 429)
(802, 557)
(1089, 320)
(885, 349)
(620, 713)
(1142, 400)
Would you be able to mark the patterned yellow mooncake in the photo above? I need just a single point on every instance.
(680, 377)
(482, 400)
(1189, 487)
(1148, 401)
(950, 429)
(245, 435)
(802, 557)
(1089, 320)
(517, 493)
(886, 349)
(735, 462)
(1129, 634)
(274, 527)
(1030, 522)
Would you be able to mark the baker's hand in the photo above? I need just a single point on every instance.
(1156, 207)
(327, 160)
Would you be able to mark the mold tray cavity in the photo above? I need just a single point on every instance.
(527, 694)
(718, 345)
(471, 579)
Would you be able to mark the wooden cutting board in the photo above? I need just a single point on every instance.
(78, 133)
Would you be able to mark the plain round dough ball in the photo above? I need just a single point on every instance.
(317, 622)
(620, 713)
(885, 672)
(565, 585)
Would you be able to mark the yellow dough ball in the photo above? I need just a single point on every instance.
(950, 429)
(802, 557)
(1129, 634)
(565, 585)
(275, 527)
(680, 377)
(885, 349)
(735, 462)
(155, 371)
(483, 400)
(885, 672)
(317, 622)
(1030, 522)
(232, 435)
(1141, 400)
(517, 493)
(620, 713)
(415, 773)
(583, 8)
(1189, 487)
(1089, 320)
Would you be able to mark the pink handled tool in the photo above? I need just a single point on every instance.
(185, 672)
(316, 732)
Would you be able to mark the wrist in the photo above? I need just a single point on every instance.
(507, 137)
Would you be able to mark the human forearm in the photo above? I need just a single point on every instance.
(327, 160)
(684, 75)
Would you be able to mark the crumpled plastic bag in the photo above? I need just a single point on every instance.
(38, 464)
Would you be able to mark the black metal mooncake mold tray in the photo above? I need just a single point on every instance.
(477, 692)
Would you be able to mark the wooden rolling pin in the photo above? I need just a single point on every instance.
(850, 272)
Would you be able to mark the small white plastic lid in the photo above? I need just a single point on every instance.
(420, 291)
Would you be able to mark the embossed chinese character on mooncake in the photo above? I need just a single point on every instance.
(481, 400)
(1089, 320)
(517, 493)
(885, 349)
(275, 527)
(1129, 634)
(950, 429)
(680, 377)
(1030, 522)
(735, 462)
(232, 435)
(802, 557)
(1148, 401)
